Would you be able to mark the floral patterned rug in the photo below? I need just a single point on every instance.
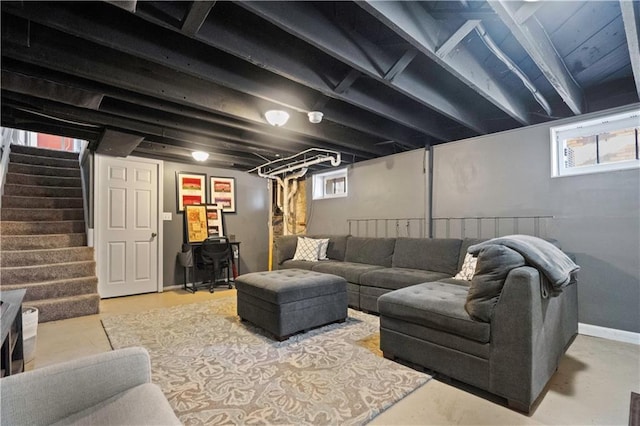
(215, 369)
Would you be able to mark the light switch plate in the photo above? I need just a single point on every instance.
(166, 215)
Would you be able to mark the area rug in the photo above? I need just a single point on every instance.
(216, 369)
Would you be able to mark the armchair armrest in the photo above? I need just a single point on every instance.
(529, 335)
(49, 394)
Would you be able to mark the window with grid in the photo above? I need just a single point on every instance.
(606, 144)
(330, 184)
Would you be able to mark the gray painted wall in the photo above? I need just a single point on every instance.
(595, 216)
(390, 187)
(249, 223)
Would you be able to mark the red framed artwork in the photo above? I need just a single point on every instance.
(191, 189)
(223, 193)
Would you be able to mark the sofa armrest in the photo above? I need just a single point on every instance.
(529, 335)
(49, 394)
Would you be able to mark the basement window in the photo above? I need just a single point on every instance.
(601, 145)
(331, 184)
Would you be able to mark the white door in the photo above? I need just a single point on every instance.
(126, 215)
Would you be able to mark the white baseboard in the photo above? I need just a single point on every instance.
(609, 333)
(173, 287)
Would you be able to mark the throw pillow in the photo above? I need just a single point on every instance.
(307, 249)
(324, 245)
(468, 268)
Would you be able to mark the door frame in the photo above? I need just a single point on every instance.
(97, 226)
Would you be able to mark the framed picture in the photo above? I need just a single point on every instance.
(223, 193)
(215, 221)
(191, 189)
(195, 217)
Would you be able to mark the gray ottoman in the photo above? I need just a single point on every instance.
(287, 301)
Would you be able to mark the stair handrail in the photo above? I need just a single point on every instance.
(4, 162)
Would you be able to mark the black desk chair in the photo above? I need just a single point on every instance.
(215, 255)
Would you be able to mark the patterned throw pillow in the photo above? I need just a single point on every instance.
(307, 249)
(468, 268)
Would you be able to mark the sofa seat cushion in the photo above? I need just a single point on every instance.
(303, 264)
(434, 305)
(142, 405)
(395, 278)
(351, 271)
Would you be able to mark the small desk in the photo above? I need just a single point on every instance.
(235, 264)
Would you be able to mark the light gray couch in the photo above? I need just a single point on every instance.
(424, 320)
(112, 388)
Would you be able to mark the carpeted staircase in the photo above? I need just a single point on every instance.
(43, 240)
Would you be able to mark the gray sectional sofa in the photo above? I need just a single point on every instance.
(375, 266)
(508, 343)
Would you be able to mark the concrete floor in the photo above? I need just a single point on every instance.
(592, 385)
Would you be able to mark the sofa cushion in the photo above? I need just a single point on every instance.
(434, 305)
(348, 270)
(302, 264)
(142, 405)
(395, 278)
(429, 254)
(371, 251)
(494, 263)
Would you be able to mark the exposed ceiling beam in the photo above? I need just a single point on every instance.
(196, 15)
(453, 40)
(468, 14)
(223, 128)
(631, 18)
(400, 65)
(535, 41)
(412, 22)
(347, 81)
(126, 72)
(304, 21)
(526, 10)
(134, 38)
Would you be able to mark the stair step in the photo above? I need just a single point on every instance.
(50, 272)
(56, 289)
(17, 258)
(41, 191)
(66, 307)
(40, 180)
(29, 242)
(33, 169)
(39, 160)
(39, 228)
(44, 152)
(47, 215)
(42, 202)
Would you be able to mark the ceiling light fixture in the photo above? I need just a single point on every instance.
(200, 155)
(315, 117)
(276, 117)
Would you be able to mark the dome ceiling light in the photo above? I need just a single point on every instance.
(276, 117)
(200, 155)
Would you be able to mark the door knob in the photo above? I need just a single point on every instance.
(153, 235)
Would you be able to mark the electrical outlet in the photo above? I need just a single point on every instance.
(166, 215)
